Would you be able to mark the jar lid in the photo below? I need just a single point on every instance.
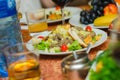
(70, 62)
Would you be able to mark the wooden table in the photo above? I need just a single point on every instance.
(51, 65)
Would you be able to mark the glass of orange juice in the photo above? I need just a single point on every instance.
(22, 64)
(36, 20)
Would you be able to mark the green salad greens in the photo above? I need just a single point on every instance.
(74, 46)
(42, 45)
(108, 69)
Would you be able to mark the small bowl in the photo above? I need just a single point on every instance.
(79, 66)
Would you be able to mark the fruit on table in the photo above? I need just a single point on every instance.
(104, 20)
(97, 10)
(110, 9)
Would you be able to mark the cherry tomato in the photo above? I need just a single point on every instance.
(41, 37)
(88, 28)
(64, 48)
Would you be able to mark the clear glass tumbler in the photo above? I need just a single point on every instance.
(36, 21)
(22, 64)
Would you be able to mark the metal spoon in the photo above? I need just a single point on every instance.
(87, 51)
(88, 48)
(75, 55)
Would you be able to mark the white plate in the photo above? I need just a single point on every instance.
(97, 31)
(73, 10)
(75, 21)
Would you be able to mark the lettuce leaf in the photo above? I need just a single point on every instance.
(74, 46)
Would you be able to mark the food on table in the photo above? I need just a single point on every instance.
(106, 67)
(57, 14)
(110, 9)
(72, 32)
(97, 10)
(65, 38)
(88, 28)
(64, 47)
(36, 40)
(104, 20)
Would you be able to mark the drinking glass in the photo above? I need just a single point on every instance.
(36, 20)
(21, 63)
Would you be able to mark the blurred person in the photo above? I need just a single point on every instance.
(47, 3)
(26, 5)
(79, 2)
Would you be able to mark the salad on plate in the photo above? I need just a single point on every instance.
(56, 13)
(65, 39)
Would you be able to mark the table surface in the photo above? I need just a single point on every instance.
(51, 65)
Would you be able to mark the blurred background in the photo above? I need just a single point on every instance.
(79, 2)
(49, 3)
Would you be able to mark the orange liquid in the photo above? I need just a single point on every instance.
(24, 70)
(37, 27)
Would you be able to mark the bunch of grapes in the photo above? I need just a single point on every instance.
(97, 10)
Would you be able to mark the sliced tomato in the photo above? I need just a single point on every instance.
(88, 28)
(41, 37)
(64, 48)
